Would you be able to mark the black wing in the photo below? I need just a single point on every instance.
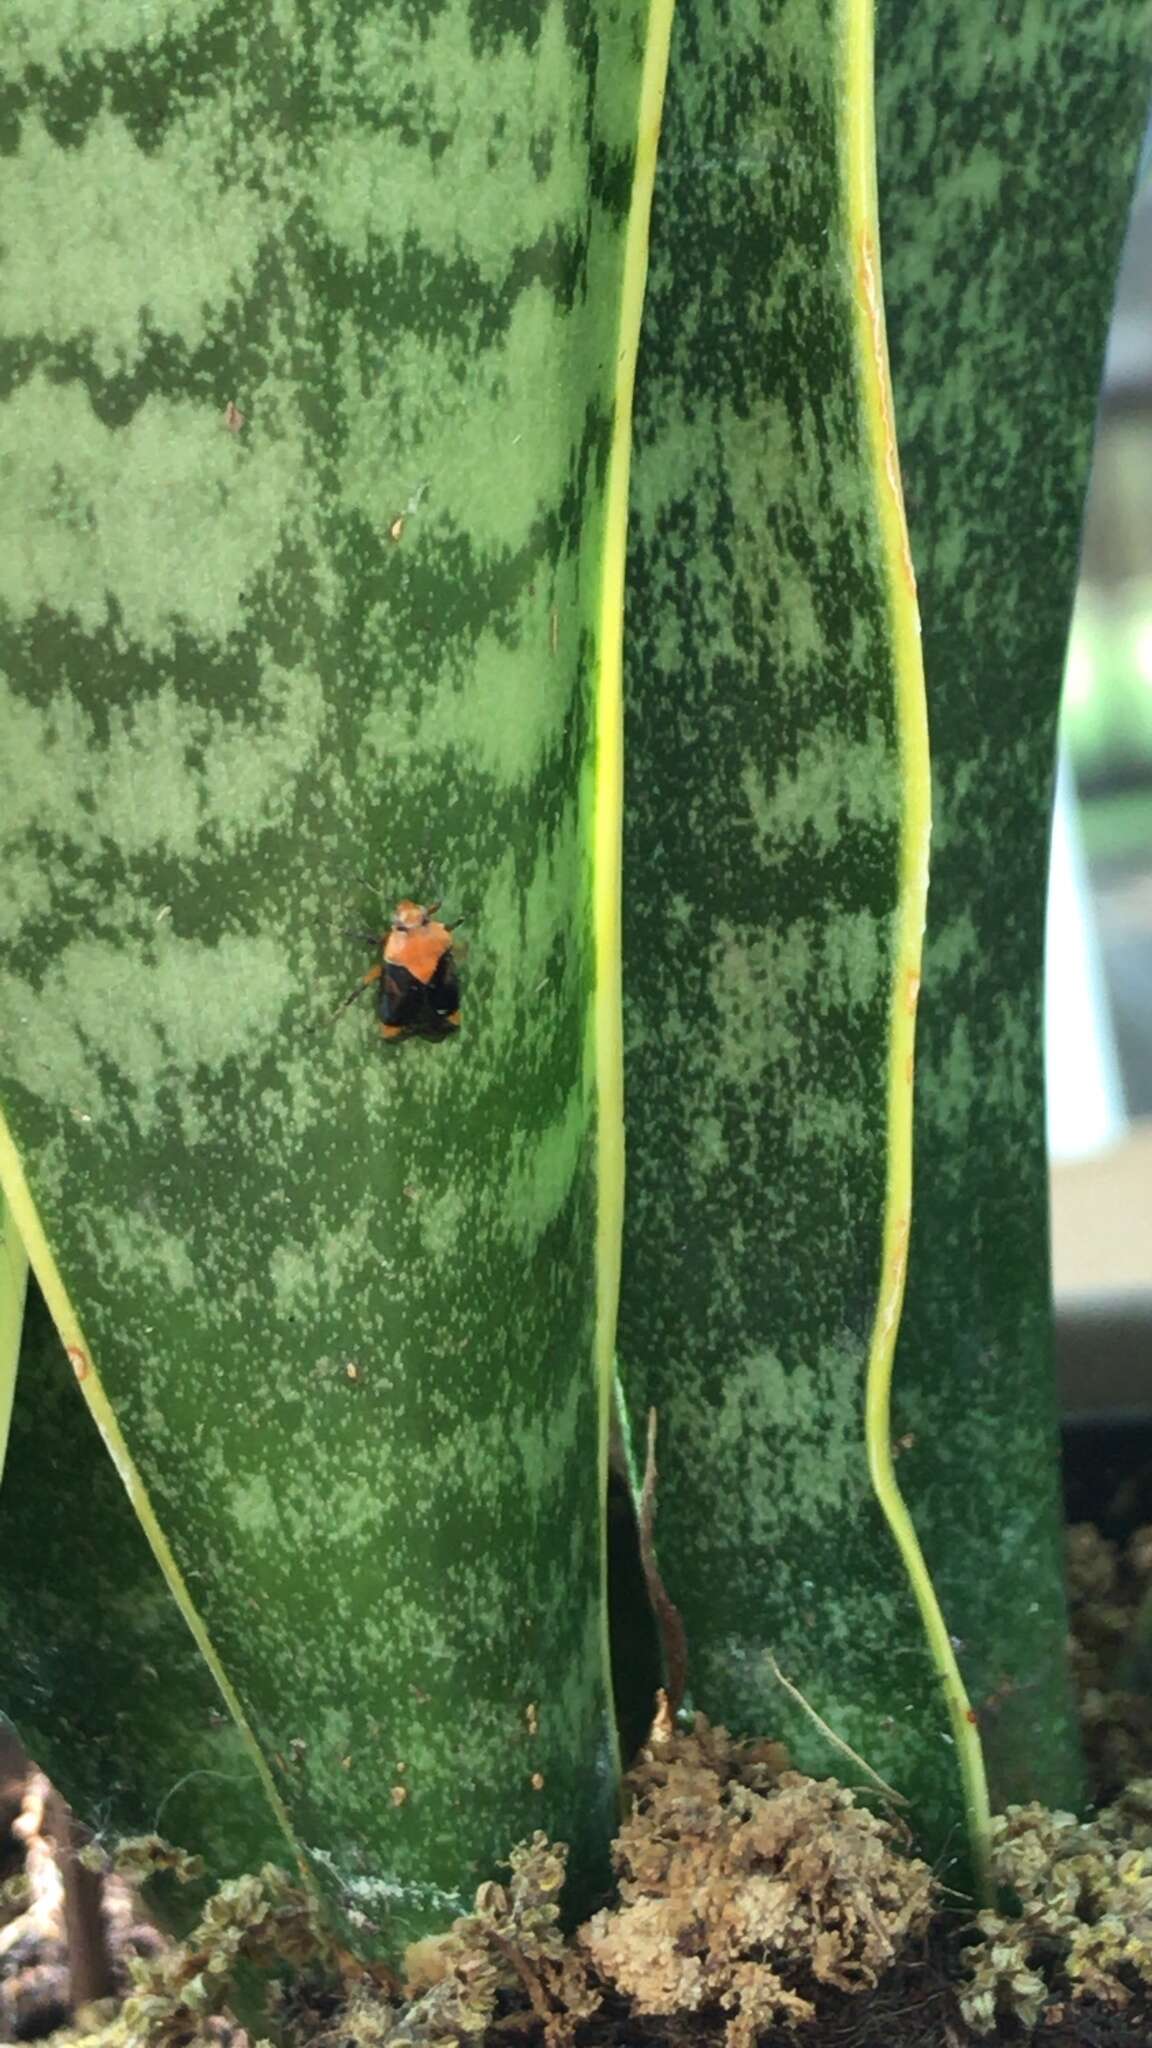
(424, 1008)
(401, 999)
(444, 988)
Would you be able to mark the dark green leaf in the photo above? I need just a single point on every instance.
(1009, 141)
(313, 319)
(774, 863)
(101, 1678)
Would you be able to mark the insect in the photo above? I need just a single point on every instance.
(417, 989)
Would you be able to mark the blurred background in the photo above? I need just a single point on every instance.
(1099, 997)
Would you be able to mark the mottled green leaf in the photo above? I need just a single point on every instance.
(775, 856)
(100, 1675)
(1009, 137)
(316, 332)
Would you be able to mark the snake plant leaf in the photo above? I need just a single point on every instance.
(1009, 142)
(101, 1678)
(318, 332)
(13, 1288)
(775, 865)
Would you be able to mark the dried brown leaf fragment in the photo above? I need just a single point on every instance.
(510, 1942)
(1085, 1920)
(1110, 1616)
(744, 1885)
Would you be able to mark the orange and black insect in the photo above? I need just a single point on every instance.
(415, 978)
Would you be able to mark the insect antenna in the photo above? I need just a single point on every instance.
(353, 875)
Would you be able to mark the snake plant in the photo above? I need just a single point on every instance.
(451, 455)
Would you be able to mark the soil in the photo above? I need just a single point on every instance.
(915, 2007)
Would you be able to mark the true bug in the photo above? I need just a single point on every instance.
(417, 989)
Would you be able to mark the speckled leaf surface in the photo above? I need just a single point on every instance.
(763, 831)
(1008, 138)
(308, 339)
(101, 1677)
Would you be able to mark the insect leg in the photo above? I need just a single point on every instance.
(372, 975)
